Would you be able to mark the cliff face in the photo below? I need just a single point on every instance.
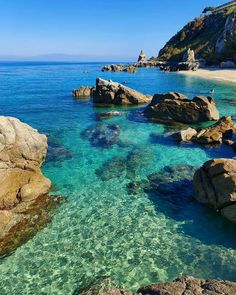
(212, 37)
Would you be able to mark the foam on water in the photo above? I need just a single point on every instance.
(102, 229)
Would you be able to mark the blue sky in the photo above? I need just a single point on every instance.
(103, 29)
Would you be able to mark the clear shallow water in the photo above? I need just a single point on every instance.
(103, 230)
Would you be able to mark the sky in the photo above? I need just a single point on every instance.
(92, 29)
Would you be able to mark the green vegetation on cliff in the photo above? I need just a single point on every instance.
(213, 37)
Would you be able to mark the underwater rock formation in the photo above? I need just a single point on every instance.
(102, 135)
(215, 185)
(176, 107)
(185, 285)
(24, 189)
(190, 286)
(112, 168)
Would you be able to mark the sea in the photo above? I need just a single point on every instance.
(105, 229)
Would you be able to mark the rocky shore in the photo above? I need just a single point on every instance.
(186, 285)
(25, 206)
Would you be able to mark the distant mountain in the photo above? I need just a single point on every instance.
(212, 36)
(66, 58)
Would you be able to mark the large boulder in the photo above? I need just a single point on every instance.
(190, 286)
(22, 152)
(215, 185)
(176, 107)
(109, 92)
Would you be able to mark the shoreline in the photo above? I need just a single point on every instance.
(222, 75)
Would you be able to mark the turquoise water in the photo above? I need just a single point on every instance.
(102, 229)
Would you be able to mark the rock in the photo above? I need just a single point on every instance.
(176, 107)
(184, 135)
(142, 57)
(227, 65)
(223, 128)
(131, 69)
(190, 286)
(22, 152)
(108, 92)
(112, 168)
(108, 115)
(83, 92)
(189, 56)
(102, 135)
(58, 153)
(138, 158)
(112, 68)
(215, 185)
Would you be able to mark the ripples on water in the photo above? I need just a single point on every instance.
(103, 230)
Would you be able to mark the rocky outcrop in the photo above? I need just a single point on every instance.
(131, 69)
(120, 68)
(142, 57)
(217, 133)
(188, 63)
(222, 129)
(23, 186)
(190, 286)
(83, 92)
(176, 107)
(189, 56)
(211, 36)
(215, 185)
(185, 285)
(113, 68)
(109, 92)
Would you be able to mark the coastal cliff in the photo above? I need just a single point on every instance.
(212, 36)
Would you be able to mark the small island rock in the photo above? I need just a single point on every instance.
(109, 92)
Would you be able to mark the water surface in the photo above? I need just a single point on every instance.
(103, 230)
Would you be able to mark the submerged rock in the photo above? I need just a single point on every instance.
(108, 115)
(138, 158)
(172, 182)
(215, 185)
(190, 286)
(108, 92)
(24, 189)
(112, 168)
(83, 92)
(102, 135)
(176, 107)
(58, 153)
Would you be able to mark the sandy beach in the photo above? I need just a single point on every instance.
(214, 74)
